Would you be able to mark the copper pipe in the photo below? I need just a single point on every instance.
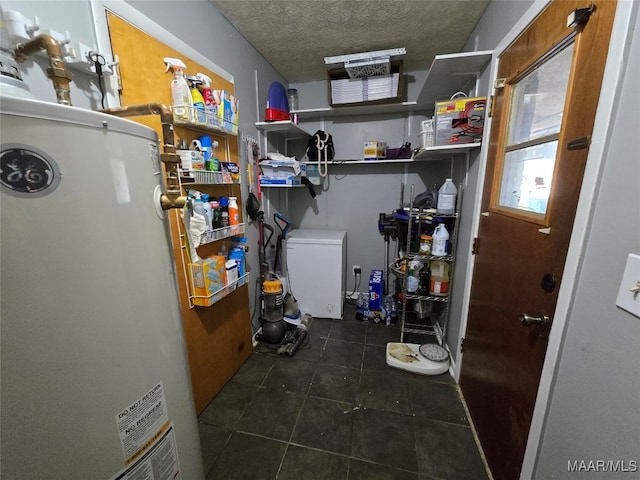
(173, 197)
(57, 70)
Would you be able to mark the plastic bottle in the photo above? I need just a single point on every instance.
(181, 100)
(198, 206)
(200, 116)
(224, 211)
(234, 214)
(412, 276)
(292, 99)
(425, 280)
(447, 197)
(216, 214)
(210, 107)
(440, 241)
(439, 283)
(206, 207)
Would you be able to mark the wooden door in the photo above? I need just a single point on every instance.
(543, 118)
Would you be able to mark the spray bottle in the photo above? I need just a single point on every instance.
(210, 106)
(198, 101)
(181, 100)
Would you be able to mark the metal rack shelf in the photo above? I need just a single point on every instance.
(434, 325)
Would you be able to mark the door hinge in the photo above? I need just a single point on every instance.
(499, 83)
(476, 246)
(491, 99)
(462, 345)
(579, 143)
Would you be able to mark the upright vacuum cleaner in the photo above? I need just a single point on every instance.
(280, 318)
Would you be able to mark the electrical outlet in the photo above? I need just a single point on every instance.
(356, 270)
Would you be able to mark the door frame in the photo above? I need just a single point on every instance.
(609, 99)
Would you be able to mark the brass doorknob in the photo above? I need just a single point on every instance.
(528, 320)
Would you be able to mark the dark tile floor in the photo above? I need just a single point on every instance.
(334, 411)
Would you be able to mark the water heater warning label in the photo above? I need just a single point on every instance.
(159, 461)
(142, 422)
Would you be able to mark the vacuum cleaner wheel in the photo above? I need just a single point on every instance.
(273, 332)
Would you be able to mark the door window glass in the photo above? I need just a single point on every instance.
(535, 121)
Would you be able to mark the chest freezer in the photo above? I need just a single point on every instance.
(316, 260)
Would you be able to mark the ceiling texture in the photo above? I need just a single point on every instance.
(295, 35)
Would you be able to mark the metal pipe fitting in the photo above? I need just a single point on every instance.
(57, 70)
(173, 197)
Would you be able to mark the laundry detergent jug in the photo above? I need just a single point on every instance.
(440, 241)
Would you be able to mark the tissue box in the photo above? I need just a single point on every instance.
(460, 120)
(280, 172)
(208, 278)
(375, 150)
(227, 110)
(375, 289)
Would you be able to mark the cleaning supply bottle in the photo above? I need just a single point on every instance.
(200, 116)
(216, 221)
(425, 280)
(181, 100)
(447, 197)
(207, 210)
(224, 211)
(412, 276)
(440, 241)
(210, 106)
(234, 214)
(439, 283)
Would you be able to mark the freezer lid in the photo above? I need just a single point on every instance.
(317, 237)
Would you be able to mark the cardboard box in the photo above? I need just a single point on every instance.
(375, 150)
(190, 160)
(208, 279)
(280, 172)
(376, 289)
(228, 112)
(460, 120)
(346, 91)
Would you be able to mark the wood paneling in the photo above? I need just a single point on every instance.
(218, 337)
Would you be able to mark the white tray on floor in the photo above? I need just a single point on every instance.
(407, 356)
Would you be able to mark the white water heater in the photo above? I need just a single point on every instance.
(94, 375)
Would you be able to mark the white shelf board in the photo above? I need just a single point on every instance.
(365, 162)
(284, 127)
(279, 185)
(444, 151)
(377, 109)
(452, 73)
(431, 153)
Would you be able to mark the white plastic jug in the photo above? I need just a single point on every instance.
(447, 197)
(440, 241)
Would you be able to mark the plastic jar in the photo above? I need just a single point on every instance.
(425, 244)
(292, 98)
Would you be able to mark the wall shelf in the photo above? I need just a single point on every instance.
(380, 109)
(427, 154)
(444, 151)
(452, 73)
(286, 128)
